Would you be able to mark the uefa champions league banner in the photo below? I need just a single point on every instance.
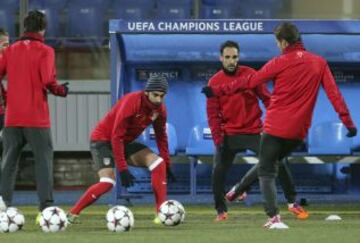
(232, 26)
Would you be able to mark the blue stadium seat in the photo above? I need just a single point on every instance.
(85, 23)
(218, 9)
(259, 9)
(329, 138)
(148, 138)
(200, 143)
(35, 4)
(133, 9)
(180, 9)
(355, 148)
(218, 12)
(356, 145)
(8, 9)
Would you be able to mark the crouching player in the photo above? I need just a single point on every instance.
(112, 145)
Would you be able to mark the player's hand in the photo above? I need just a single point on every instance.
(352, 131)
(170, 175)
(66, 88)
(207, 91)
(127, 179)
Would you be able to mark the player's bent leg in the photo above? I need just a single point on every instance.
(157, 167)
(158, 181)
(239, 190)
(270, 149)
(105, 184)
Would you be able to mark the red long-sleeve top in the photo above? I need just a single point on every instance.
(126, 120)
(30, 68)
(238, 113)
(297, 76)
(2, 95)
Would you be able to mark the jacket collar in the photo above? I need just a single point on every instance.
(32, 36)
(298, 46)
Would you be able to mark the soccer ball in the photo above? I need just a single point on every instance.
(119, 219)
(170, 213)
(53, 219)
(11, 220)
(182, 210)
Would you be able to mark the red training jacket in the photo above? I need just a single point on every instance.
(297, 76)
(238, 113)
(2, 96)
(30, 68)
(126, 120)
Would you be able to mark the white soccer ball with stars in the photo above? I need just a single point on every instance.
(182, 210)
(53, 219)
(171, 213)
(11, 220)
(119, 219)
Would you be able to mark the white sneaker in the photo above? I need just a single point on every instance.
(2, 204)
(275, 223)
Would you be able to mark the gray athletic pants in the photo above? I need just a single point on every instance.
(39, 139)
(272, 150)
(223, 160)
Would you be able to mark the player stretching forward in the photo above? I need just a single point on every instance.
(112, 144)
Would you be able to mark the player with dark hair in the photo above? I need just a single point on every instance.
(30, 68)
(239, 131)
(298, 75)
(112, 144)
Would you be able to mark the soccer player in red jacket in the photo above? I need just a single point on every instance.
(112, 144)
(29, 65)
(4, 43)
(298, 75)
(239, 131)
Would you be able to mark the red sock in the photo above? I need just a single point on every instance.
(158, 182)
(90, 196)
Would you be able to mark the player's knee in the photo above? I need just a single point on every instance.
(158, 161)
(108, 180)
(107, 172)
(267, 170)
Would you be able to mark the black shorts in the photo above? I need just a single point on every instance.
(102, 154)
(234, 144)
